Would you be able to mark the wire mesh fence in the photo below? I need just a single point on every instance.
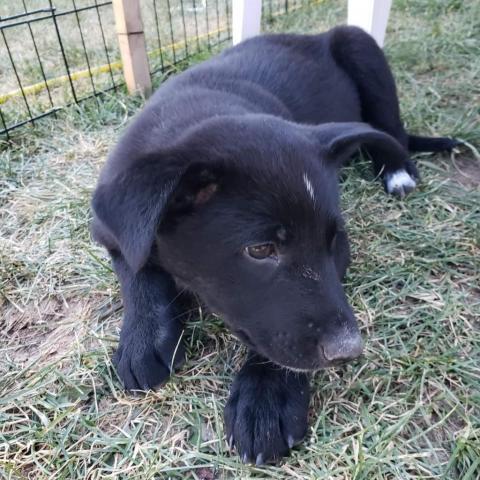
(55, 53)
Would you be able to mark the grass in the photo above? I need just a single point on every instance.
(409, 409)
(87, 47)
(174, 31)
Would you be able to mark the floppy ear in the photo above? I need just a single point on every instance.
(340, 140)
(130, 207)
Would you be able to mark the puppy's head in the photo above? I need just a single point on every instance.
(245, 213)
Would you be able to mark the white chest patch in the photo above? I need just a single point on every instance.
(309, 187)
(400, 181)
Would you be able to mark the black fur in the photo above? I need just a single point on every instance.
(266, 398)
(241, 150)
(427, 144)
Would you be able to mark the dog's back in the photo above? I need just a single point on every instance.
(290, 76)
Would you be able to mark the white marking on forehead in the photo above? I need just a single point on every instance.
(307, 272)
(309, 186)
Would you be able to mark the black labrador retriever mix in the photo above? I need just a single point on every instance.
(225, 186)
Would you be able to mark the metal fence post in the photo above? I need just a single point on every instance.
(371, 15)
(246, 18)
(133, 50)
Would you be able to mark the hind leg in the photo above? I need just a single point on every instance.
(359, 56)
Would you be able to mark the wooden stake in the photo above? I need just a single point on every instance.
(133, 50)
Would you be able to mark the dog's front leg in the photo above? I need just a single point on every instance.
(266, 413)
(150, 337)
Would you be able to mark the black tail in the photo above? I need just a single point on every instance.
(430, 144)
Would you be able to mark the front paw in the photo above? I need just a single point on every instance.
(266, 413)
(144, 359)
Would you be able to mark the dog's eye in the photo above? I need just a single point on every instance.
(262, 251)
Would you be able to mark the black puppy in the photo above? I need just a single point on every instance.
(225, 185)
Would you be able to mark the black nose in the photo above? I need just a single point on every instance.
(342, 347)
